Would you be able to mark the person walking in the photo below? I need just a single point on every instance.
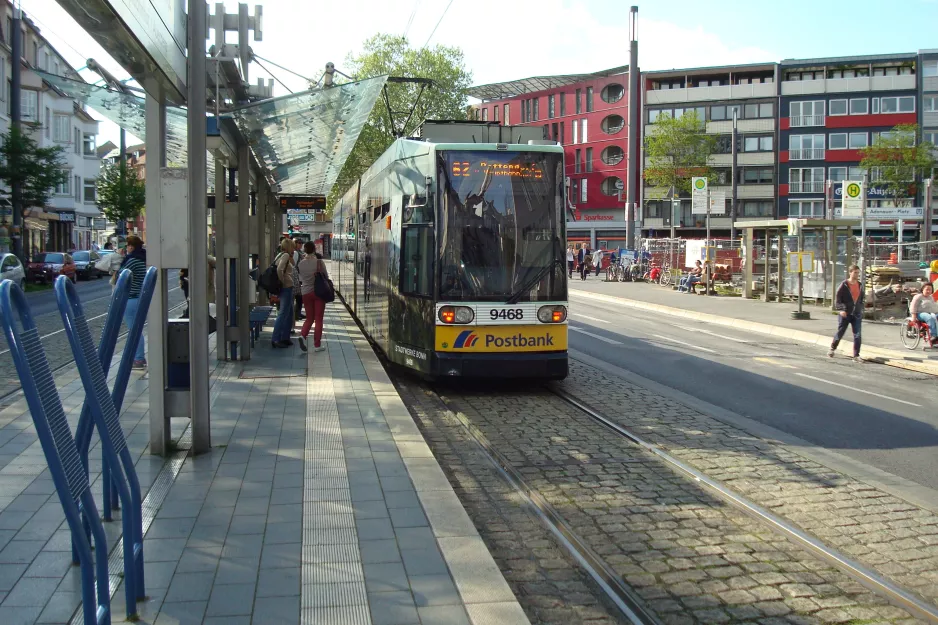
(585, 265)
(598, 260)
(281, 336)
(570, 260)
(135, 261)
(315, 307)
(849, 302)
(297, 297)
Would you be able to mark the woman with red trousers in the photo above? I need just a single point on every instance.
(315, 307)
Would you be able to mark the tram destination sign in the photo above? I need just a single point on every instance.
(304, 203)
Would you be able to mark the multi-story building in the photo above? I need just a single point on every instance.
(830, 109)
(587, 114)
(717, 95)
(53, 120)
(928, 116)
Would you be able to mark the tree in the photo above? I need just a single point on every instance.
(899, 160)
(121, 193)
(37, 170)
(393, 55)
(677, 150)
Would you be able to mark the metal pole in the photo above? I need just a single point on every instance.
(634, 131)
(221, 288)
(901, 226)
(733, 181)
(801, 314)
(863, 240)
(122, 225)
(244, 248)
(927, 216)
(16, 78)
(707, 248)
(198, 232)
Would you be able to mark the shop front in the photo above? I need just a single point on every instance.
(60, 236)
(37, 226)
(604, 228)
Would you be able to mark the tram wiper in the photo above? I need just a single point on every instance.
(530, 283)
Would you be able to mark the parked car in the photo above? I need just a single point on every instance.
(47, 266)
(12, 269)
(84, 264)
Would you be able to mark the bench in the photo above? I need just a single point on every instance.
(258, 317)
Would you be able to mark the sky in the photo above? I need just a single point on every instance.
(508, 39)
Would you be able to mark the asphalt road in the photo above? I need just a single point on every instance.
(95, 297)
(879, 415)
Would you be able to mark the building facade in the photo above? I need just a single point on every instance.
(588, 115)
(830, 110)
(720, 96)
(52, 120)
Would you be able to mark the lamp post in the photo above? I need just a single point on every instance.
(631, 211)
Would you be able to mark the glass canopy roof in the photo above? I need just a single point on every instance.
(301, 140)
(304, 139)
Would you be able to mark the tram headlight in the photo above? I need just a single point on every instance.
(552, 314)
(457, 314)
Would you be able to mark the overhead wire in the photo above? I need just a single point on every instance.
(272, 75)
(411, 20)
(289, 71)
(433, 32)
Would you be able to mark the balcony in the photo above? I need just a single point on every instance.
(808, 154)
(802, 121)
(849, 85)
(703, 94)
(806, 187)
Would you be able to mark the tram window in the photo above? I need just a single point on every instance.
(416, 261)
(385, 209)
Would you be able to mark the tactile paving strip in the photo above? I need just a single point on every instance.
(332, 575)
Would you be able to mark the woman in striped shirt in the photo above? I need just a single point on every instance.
(136, 262)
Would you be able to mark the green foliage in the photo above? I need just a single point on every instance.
(394, 56)
(37, 170)
(900, 160)
(677, 150)
(121, 193)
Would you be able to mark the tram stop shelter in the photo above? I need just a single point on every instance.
(830, 241)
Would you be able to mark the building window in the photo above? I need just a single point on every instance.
(91, 191)
(550, 107)
(806, 147)
(583, 191)
(554, 131)
(810, 113)
(507, 123)
(838, 141)
(495, 113)
(807, 180)
(839, 174)
(561, 133)
(838, 107)
(859, 106)
(3, 80)
(64, 188)
(61, 127)
(583, 134)
(537, 112)
(722, 113)
(813, 208)
(757, 208)
(563, 103)
(757, 144)
(528, 111)
(930, 68)
(757, 175)
(589, 160)
(29, 103)
(894, 104)
(485, 114)
(608, 186)
(90, 144)
(589, 99)
(77, 188)
(576, 126)
(576, 167)
(48, 124)
(575, 192)
(755, 111)
(930, 137)
(579, 104)
(930, 104)
(858, 140)
(77, 144)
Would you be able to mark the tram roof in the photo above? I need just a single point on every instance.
(514, 88)
(301, 141)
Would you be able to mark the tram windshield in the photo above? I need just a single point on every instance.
(501, 225)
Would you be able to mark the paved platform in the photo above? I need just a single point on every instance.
(319, 503)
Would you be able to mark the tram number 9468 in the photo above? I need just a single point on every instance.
(513, 314)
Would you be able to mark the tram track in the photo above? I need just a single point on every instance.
(577, 539)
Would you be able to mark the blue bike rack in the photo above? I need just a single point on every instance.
(113, 444)
(125, 369)
(58, 446)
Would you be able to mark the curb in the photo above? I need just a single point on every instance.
(878, 355)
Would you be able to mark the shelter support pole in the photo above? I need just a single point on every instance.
(245, 284)
(158, 315)
(767, 266)
(262, 260)
(748, 259)
(221, 298)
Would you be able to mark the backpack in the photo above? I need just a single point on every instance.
(270, 279)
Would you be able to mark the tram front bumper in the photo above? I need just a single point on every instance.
(550, 365)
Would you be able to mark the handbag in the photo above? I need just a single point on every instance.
(323, 288)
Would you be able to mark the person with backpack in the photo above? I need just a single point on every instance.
(312, 268)
(284, 323)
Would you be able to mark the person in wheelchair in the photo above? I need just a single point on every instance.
(692, 278)
(925, 309)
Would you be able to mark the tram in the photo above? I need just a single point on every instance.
(456, 264)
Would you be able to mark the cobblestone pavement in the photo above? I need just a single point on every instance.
(55, 342)
(691, 558)
(894, 537)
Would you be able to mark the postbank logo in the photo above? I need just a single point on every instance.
(540, 338)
